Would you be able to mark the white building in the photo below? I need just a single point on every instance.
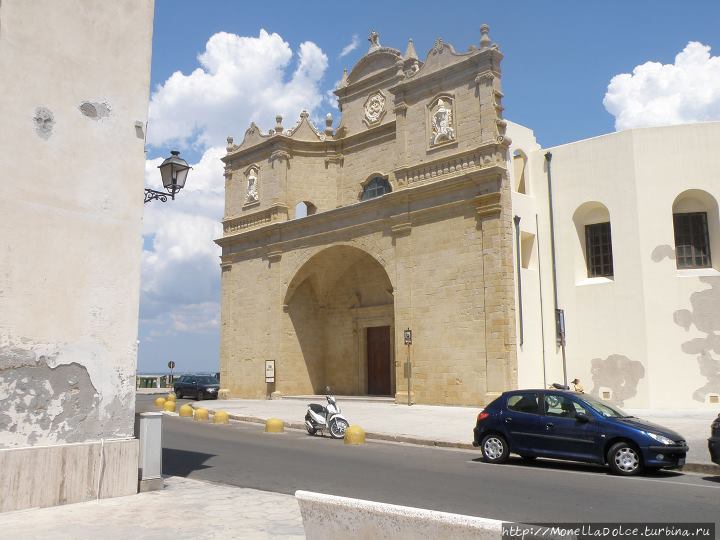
(636, 232)
(75, 87)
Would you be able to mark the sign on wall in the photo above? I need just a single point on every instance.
(408, 336)
(269, 371)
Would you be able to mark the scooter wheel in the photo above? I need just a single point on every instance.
(337, 428)
(311, 431)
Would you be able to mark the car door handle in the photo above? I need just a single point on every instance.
(549, 425)
(508, 420)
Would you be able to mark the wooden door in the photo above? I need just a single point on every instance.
(378, 361)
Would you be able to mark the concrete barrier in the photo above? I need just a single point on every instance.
(274, 425)
(201, 415)
(327, 517)
(159, 402)
(220, 417)
(354, 435)
(186, 411)
(169, 405)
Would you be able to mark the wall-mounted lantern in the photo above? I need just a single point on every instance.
(174, 171)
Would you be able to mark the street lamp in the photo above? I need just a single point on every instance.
(174, 172)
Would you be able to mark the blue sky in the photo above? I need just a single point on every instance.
(559, 60)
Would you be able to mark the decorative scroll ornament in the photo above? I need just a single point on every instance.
(374, 108)
(252, 186)
(442, 122)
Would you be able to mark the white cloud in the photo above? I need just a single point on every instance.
(350, 47)
(240, 79)
(661, 94)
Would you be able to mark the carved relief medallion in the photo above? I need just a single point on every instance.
(442, 121)
(374, 108)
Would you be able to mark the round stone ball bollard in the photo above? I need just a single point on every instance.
(274, 425)
(201, 415)
(169, 405)
(160, 402)
(186, 411)
(221, 417)
(354, 435)
(170, 397)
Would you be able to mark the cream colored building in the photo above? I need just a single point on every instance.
(425, 210)
(74, 86)
(642, 325)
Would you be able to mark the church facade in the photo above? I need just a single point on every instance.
(376, 258)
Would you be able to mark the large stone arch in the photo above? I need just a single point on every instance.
(330, 302)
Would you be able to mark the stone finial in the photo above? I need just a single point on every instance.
(344, 80)
(485, 40)
(410, 53)
(304, 114)
(278, 124)
(229, 143)
(374, 39)
(328, 124)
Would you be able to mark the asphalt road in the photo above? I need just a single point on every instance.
(438, 479)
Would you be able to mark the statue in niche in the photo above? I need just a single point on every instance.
(252, 192)
(442, 123)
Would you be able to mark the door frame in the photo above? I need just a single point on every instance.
(368, 317)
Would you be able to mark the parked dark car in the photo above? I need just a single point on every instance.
(565, 425)
(198, 386)
(714, 441)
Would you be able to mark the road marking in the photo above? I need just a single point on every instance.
(600, 475)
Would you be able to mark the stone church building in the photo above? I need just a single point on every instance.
(338, 241)
(511, 264)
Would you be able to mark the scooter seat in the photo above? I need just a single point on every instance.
(319, 409)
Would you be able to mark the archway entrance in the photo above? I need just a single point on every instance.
(340, 325)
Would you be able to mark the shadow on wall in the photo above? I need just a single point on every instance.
(618, 373)
(705, 316)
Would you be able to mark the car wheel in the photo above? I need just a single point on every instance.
(624, 459)
(494, 448)
(178, 394)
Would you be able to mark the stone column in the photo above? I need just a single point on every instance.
(401, 229)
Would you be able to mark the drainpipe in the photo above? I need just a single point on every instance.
(542, 319)
(516, 219)
(559, 314)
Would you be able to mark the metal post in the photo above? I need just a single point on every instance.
(148, 429)
(516, 219)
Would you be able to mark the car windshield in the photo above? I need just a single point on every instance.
(207, 380)
(604, 409)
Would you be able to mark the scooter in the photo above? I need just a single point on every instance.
(319, 418)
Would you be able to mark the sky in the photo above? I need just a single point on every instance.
(572, 70)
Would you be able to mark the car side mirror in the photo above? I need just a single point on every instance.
(582, 417)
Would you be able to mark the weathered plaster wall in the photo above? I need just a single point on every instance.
(75, 89)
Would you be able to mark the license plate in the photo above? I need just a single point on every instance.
(681, 462)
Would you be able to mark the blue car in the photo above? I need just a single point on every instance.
(562, 424)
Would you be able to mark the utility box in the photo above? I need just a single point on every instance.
(148, 430)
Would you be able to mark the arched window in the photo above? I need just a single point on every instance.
(376, 187)
(304, 208)
(592, 222)
(696, 228)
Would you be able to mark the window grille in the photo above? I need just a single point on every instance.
(598, 246)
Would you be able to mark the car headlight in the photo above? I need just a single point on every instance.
(659, 438)
(212, 389)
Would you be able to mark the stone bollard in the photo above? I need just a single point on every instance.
(170, 397)
(159, 402)
(186, 411)
(223, 393)
(169, 406)
(354, 435)
(221, 417)
(201, 415)
(274, 425)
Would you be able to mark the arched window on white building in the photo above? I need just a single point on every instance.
(304, 208)
(595, 254)
(697, 230)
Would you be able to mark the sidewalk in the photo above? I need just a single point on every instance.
(443, 426)
(185, 509)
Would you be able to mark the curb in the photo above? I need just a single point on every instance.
(705, 468)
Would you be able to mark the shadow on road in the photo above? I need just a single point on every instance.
(183, 462)
(550, 464)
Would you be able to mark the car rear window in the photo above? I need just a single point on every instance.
(525, 402)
